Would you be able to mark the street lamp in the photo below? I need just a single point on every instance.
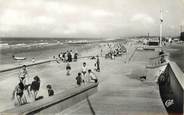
(161, 24)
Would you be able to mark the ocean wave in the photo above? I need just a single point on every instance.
(29, 46)
(4, 45)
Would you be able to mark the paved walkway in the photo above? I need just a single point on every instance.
(121, 92)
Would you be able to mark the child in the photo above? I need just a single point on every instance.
(35, 86)
(50, 90)
(33, 60)
(92, 76)
(79, 79)
(68, 68)
(24, 77)
(75, 56)
(84, 71)
(19, 92)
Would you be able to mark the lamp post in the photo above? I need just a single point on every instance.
(161, 24)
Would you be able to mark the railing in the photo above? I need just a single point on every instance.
(158, 61)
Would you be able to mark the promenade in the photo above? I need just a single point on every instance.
(121, 92)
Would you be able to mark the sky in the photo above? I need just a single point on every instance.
(89, 18)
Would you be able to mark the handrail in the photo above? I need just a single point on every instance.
(152, 58)
(157, 61)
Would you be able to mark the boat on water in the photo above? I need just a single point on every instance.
(18, 58)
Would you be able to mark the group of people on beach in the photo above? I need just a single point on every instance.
(68, 56)
(115, 50)
(86, 75)
(27, 90)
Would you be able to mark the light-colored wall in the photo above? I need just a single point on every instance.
(176, 85)
(56, 103)
(176, 88)
(60, 106)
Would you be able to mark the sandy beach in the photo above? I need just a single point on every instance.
(55, 76)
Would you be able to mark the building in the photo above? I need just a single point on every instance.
(182, 36)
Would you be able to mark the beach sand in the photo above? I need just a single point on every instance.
(120, 89)
(50, 73)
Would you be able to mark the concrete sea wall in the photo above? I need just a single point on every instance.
(171, 85)
(56, 103)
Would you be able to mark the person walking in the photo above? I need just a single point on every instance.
(69, 56)
(79, 79)
(98, 64)
(72, 55)
(75, 56)
(68, 69)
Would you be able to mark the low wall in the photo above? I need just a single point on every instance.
(56, 103)
(28, 64)
(171, 85)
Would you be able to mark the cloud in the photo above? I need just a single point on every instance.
(60, 8)
(143, 18)
(101, 13)
(44, 20)
(53, 17)
(12, 17)
(183, 1)
(93, 17)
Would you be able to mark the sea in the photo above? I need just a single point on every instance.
(39, 48)
(31, 43)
